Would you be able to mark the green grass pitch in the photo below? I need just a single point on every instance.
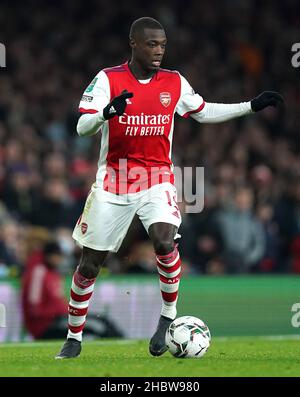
(233, 356)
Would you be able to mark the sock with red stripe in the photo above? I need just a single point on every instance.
(169, 269)
(81, 292)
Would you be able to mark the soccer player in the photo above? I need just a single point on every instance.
(134, 105)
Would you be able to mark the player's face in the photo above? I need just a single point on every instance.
(149, 49)
(54, 260)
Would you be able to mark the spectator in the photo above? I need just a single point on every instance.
(35, 239)
(142, 259)
(19, 197)
(241, 234)
(203, 243)
(287, 217)
(55, 205)
(44, 304)
(11, 247)
(269, 261)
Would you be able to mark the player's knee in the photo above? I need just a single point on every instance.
(163, 247)
(90, 263)
(88, 269)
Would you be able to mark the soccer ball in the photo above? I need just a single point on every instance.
(188, 336)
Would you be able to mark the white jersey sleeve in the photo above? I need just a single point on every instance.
(219, 112)
(192, 104)
(96, 96)
(189, 101)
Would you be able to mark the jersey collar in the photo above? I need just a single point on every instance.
(126, 66)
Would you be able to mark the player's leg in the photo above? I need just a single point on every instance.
(169, 269)
(101, 228)
(81, 291)
(161, 218)
(168, 264)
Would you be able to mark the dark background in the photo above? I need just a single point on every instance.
(229, 51)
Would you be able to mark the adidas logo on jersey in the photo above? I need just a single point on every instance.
(112, 110)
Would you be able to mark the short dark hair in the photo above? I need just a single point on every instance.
(140, 24)
(52, 247)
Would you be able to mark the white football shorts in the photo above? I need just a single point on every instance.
(106, 217)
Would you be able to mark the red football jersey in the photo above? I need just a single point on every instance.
(136, 147)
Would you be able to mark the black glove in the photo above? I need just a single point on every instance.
(117, 105)
(267, 98)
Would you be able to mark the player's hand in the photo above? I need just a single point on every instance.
(117, 105)
(267, 98)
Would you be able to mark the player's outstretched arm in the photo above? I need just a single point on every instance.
(219, 112)
(89, 124)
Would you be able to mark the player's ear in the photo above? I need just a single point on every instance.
(132, 42)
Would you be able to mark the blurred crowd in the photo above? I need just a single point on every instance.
(229, 51)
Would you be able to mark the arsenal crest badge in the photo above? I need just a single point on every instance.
(165, 99)
(84, 227)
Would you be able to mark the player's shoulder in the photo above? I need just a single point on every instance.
(168, 72)
(172, 76)
(115, 69)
